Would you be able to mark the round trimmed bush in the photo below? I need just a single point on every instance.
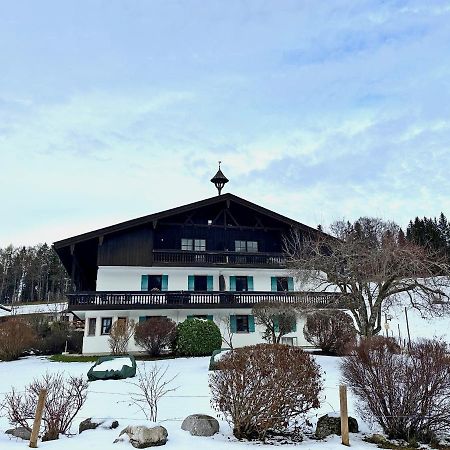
(197, 337)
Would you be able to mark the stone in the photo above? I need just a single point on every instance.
(200, 425)
(327, 425)
(92, 424)
(20, 432)
(142, 437)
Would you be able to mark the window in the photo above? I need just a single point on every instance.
(289, 340)
(199, 245)
(242, 324)
(200, 283)
(106, 325)
(92, 326)
(186, 244)
(246, 246)
(155, 282)
(282, 284)
(242, 284)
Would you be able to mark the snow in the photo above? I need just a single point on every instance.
(112, 400)
(41, 308)
(113, 364)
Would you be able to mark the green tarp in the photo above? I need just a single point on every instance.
(114, 369)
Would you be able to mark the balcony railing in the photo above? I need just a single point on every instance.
(186, 299)
(192, 258)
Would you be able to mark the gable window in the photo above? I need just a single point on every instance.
(246, 246)
(186, 244)
(92, 326)
(198, 245)
(106, 325)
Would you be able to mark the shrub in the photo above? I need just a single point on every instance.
(331, 331)
(120, 335)
(65, 397)
(197, 337)
(407, 394)
(16, 336)
(153, 386)
(155, 334)
(262, 388)
(52, 337)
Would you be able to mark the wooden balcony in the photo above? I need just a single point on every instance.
(231, 259)
(108, 300)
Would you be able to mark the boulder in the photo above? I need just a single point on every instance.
(92, 424)
(331, 424)
(143, 437)
(20, 432)
(200, 425)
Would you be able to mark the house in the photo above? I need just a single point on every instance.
(212, 259)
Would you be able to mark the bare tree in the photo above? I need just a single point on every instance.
(278, 319)
(369, 264)
(65, 397)
(121, 333)
(227, 337)
(153, 386)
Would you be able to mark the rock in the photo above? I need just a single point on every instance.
(20, 432)
(200, 425)
(143, 437)
(92, 424)
(327, 425)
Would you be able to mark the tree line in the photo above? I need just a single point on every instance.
(33, 273)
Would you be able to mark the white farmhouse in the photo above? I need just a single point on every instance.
(212, 259)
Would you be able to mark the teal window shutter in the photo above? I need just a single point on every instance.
(142, 319)
(144, 283)
(276, 324)
(232, 283)
(294, 326)
(273, 283)
(249, 283)
(191, 282)
(290, 284)
(233, 327)
(210, 318)
(210, 283)
(164, 282)
(251, 324)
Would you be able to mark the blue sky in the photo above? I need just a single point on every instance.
(320, 110)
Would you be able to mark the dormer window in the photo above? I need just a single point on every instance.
(246, 246)
(198, 245)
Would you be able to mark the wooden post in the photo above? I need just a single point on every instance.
(344, 414)
(38, 418)
(407, 328)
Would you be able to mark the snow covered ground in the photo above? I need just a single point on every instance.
(111, 399)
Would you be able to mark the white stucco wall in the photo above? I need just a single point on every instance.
(98, 344)
(123, 278)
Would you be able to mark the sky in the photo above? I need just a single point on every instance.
(318, 110)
